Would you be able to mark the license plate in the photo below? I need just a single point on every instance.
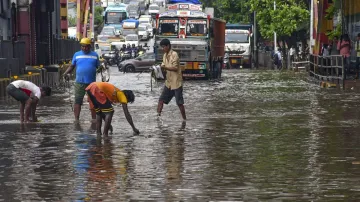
(233, 61)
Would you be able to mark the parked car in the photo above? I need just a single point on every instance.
(143, 32)
(139, 64)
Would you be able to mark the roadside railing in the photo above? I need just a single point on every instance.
(12, 58)
(64, 49)
(327, 68)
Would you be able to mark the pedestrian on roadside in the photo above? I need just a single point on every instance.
(344, 46)
(101, 95)
(333, 46)
(28, 94)
(278, 58)
(174, 81)
(357, 49)
(86, 63)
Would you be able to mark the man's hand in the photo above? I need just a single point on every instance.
(66, 77)
(136, 131)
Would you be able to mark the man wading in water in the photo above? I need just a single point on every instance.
(28, 94)
(173, 84)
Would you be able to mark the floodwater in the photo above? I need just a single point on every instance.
(253, 136)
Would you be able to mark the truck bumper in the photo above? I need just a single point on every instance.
(240, 61)
(195, 74)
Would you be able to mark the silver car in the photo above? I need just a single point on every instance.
(139, 64)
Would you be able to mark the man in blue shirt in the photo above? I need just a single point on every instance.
(86, 63)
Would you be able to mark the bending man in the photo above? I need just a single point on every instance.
(101, 96)
(28, 94)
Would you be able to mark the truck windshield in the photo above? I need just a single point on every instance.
(237, 38)
(115, 17)
(129, 31)
(196, 28)
(169, 27)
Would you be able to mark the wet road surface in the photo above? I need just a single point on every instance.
(253, 136)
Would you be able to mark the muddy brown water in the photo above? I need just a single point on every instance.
(253, 136)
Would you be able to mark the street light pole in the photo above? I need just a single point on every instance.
(275, 42)
(255, 42)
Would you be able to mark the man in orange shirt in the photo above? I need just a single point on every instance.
(101, 96)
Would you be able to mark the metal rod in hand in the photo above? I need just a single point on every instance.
(69, 91)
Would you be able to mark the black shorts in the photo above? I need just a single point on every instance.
(16, 93)
(168, 94)
(98, 106)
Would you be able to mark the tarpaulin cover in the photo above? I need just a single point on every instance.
(184, 1)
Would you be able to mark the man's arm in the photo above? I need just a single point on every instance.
(129, 118)
(31, 102)
(69, 69)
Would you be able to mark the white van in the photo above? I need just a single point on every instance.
(154, 9)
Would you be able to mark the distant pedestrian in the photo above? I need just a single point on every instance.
(357, 49)
(101, 95)
(278, 58)
(333, 46)
(86, 63)
(174, 81)
(28, 94)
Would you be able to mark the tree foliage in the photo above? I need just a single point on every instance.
(289, 16)
(98, 15)
(233, 11)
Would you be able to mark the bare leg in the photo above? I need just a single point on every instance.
(93, 113)
(108, 118)
(111, 128)
(182, 111)
(98, 124)
(77, 109)
(22, 108)
(160, 107)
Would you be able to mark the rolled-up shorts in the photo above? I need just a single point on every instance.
(16, 93)
(80, 91)
(99, 102)
(167, 94)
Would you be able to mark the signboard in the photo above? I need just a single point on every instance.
(169, 21)
(194, 75)
(238, 31)
(113, 13)
(129, 25)
(197, 22)
(191, 7)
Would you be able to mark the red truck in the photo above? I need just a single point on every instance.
(197, 37)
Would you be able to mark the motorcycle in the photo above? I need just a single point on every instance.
(111, 58)
(125, 55)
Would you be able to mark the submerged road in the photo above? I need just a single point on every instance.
(253, 136)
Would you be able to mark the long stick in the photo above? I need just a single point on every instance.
(69, 91)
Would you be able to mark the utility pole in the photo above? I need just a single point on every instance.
(255, 43)
(275, 42)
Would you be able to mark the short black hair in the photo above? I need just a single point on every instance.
(165, 42)
(46, 89)
(129, 95)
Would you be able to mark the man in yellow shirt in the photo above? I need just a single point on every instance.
(101, 95)
(173, 84)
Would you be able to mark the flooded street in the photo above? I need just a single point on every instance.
(253, 136)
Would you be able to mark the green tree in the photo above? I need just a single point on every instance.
(71, 21)
(233, 11)
(98, 15)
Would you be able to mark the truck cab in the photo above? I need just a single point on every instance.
(134, 10)
(238, 49)
(195, 36)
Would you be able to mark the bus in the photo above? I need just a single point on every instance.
(115, 14)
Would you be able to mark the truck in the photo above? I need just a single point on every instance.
(238, 48)
(114, 15)
(134, 9)
(130, 26)
(198, 38)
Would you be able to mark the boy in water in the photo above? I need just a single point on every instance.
(101, 96)
(28, 94)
